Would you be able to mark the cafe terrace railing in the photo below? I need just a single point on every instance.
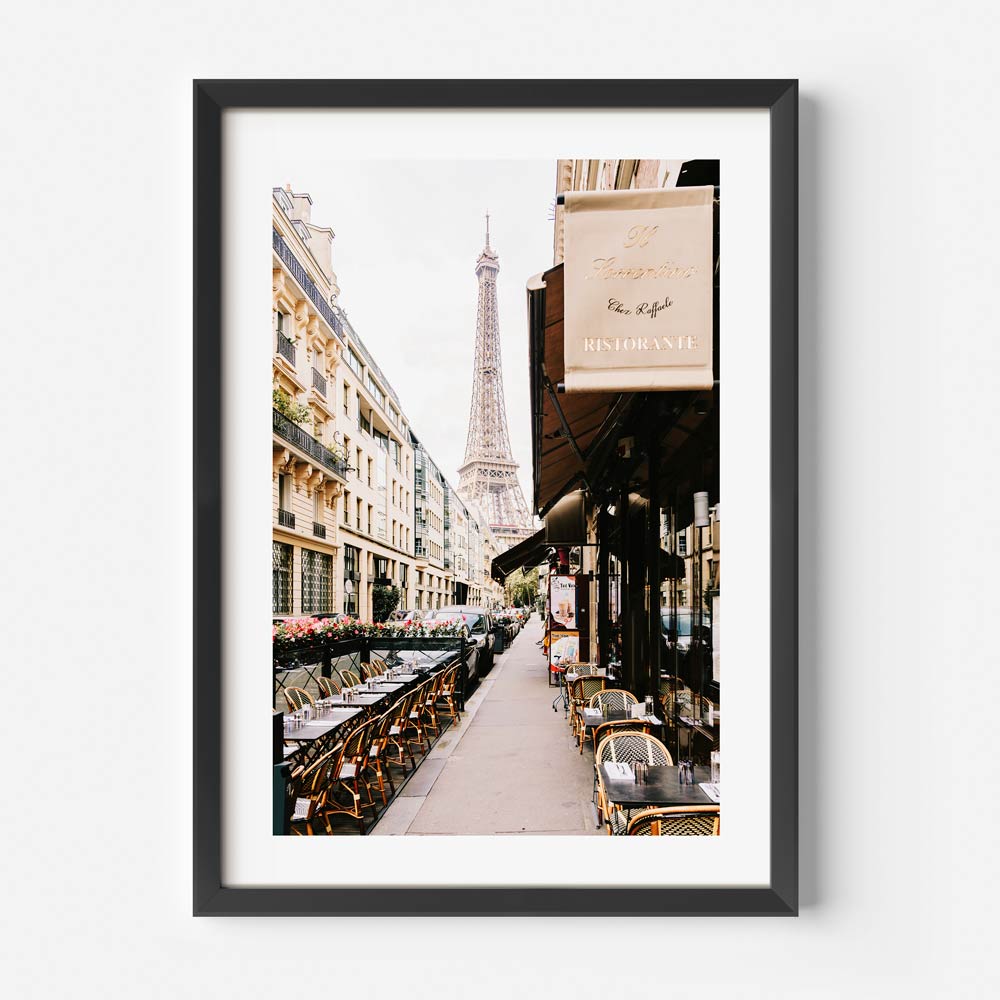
(317, 658)
(295, 435)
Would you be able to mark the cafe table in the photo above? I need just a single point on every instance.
(313, 735)
(591, 720)
(661, 788)
(571, 674)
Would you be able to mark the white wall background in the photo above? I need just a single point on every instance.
(899, 357)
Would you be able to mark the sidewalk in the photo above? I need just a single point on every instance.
(510, 767)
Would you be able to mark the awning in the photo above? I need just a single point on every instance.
(575, 435)
(565, 428)
(528, 553)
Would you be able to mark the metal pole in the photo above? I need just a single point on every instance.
(603, 588)
(652, 679)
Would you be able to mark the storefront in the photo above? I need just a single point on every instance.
(642, 465)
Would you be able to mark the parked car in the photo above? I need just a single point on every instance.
(480, 625)
(407, 614)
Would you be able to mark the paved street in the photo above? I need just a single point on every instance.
(510, 767)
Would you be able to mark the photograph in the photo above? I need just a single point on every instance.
(495, 509)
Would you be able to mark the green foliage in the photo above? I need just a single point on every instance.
(287, 407)
(521, 588)
(385, 600)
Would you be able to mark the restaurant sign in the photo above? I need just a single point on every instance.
(638, 289)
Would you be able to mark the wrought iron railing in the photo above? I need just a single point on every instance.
(286, 518)
(319, 382)
(295, 435)
(286, 348)
(319, 530)
(282, 249)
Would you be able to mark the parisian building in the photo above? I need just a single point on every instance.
(343, 467)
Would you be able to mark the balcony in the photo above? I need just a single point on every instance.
(286, 518)
(319, 530)
(286, 348)
(298, 272)
(295, 435)
(319, 382)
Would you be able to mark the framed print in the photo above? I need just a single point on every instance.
(494, 320)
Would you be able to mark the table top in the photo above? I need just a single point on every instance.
(572, 675)
(661, 788)
(592, 722)
(372, 698)
(384, 686)
(315, 728)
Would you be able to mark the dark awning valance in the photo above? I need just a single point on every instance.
(530, 552)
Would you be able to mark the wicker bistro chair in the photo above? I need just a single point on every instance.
(295, 698)
(580, 693)
(378, 762)
(606, 729)
(350, 678)
(446, 694)
(373, 668)
(397, 750)
(418, 717)
(583, 669)
(616, 700)
(624, 743)
(307, 789)
(347, 775)
(429, 703)
(675, 821)
(328, 687)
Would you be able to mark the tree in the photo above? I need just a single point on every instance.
(522, 588)
(385, 600)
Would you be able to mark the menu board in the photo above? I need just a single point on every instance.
(562, 602)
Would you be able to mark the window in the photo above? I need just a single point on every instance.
(374, 389)
(284, 492)
(357, 523)
(352, 573)
(281, 578)
(381, 568)
(317, 581)
(363, 422)
(347, 508)
(347, 400)
(354, 363)
(682, 543)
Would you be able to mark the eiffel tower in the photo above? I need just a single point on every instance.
(489, 472)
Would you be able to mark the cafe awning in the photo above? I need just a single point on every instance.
(566, 428)
(528, 553)
(575, 435)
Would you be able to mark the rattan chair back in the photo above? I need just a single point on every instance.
(350, 678)
(675, 821)
(631, 744)
(296, 697)
(328, 687)
(616, 699)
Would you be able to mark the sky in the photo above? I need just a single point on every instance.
(407, 235)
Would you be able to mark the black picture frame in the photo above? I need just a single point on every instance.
(211, 99)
